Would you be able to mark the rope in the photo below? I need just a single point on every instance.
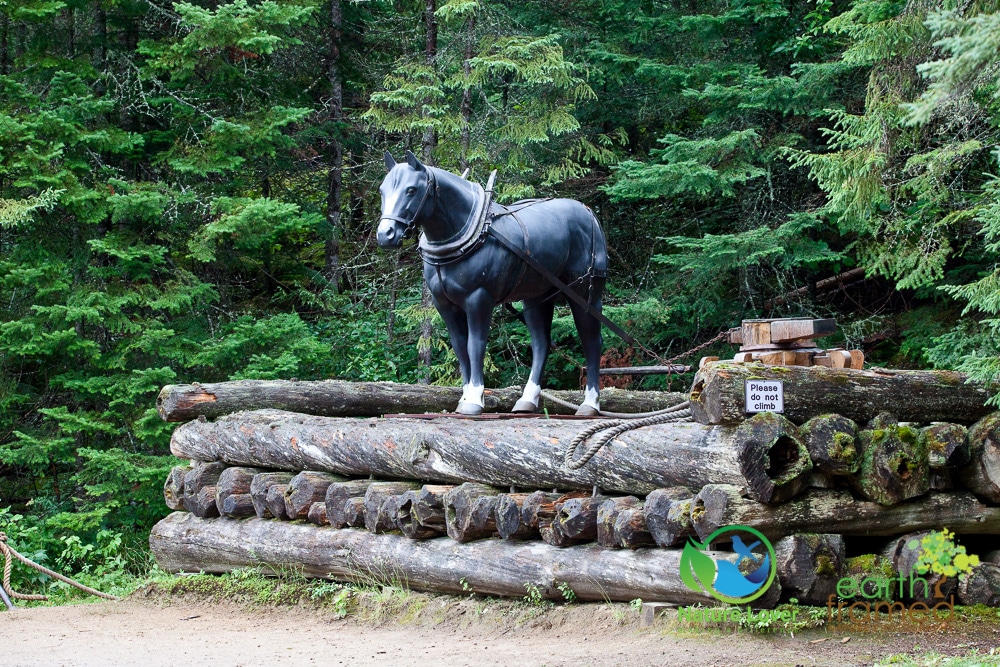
(9, 554)
(612, 429)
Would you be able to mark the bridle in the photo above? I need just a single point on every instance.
(410, 225)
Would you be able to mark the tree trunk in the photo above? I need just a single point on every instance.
(237, 506)
(306, 488)
(668, 515)
(466, 107)
(173, 488)
(893, 464)
(182, 542)
(522, 452)
(981, 586)
(982, 474)
(928, 587)
(275, 501)
(832, 442)
(462, 520)
(261, 484)
(234, 481)
(199, 478)
(718, 397)
(335, 398)
(337, 495)
(809, 567)
(607, 515)
(828, 511)
(376, 520)
(335, 147)
(425, 351)
(317, 514)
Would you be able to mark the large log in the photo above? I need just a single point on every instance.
(508, 517)
(832, 441)
(183, 543)
(306, 488)
(466, 518)
(894, 464)
(377, 520)
(809, 566)
(333, 398)
(199, 488)
(607, 515)
(521, 452)
(237, 506)
(337, 495)
(718, 396)
(927, 587)
(668, 515)
(630, 529)
(261, 484)
(833, 511)
(425, 516)
(575, 522)
(234, 481)
(982, 474)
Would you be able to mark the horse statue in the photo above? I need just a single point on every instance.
(478, 254)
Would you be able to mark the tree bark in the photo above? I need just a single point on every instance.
(982, 474)
(668, 515)
(630, 529)
(718, 397)
(173, 488)
(420, 512)
(607, 515)
(306, 488)
(522, 452)
(234, 481)
(809, 566)
(508, 516)
(317, 514)
(237, 506)
(981, 586)
(354, 513)
(335, 147)
(259, 487)
(893, 464)
(832, 441)
(575, 522)
(275, 501)
(929, 587)
(829, 511)
(465, 522)
(947, 445)
(183, 543)
(199, 478)
(335, 398)
(376, 519)
(337, 495)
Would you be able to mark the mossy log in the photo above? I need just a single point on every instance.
(947, 445)
(466, 518)
(317, 514)
(261, 484)
(607, 515)
(927, 587)
(306, 488)
(894, 463)
(235, 481)
(982, 474)
(833, 511)
(762, 455)
(198, 499)
(718, 395)
(173, 488)
(668, 515)
(184, 543)
(237, 506)
(809, 566)
(378, 518)
(575, 522)
(333, 398)
(337, 495)
(832, 441)
(981, 586)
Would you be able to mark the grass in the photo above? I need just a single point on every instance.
(933, 659)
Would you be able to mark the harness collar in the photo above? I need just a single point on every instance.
(471, 236)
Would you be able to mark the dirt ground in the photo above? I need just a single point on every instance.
(177, 632)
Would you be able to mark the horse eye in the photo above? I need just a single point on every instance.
(410, 191)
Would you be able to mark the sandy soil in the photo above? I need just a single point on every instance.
(152, 633)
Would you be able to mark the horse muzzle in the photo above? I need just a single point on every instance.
(390, 234)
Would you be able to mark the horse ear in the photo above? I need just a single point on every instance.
(412, 160)
(390, 162)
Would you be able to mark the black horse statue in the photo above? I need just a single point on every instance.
(478, 254)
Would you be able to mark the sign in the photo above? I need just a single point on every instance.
(765, 396)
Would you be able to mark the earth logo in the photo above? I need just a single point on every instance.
(737, 582)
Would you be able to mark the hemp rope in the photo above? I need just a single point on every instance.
(9, 554)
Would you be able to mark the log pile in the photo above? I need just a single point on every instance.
(495, 508)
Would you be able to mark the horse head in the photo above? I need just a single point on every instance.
(405, 192)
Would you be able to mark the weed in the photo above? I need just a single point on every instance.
(569, 595)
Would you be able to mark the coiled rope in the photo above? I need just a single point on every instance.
(9, 554)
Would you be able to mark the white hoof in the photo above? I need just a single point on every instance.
(467, 408)
(525, 406)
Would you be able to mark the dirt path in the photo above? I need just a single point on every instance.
(152, 634)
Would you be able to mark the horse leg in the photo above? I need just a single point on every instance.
(589, 328)
(478, 311)
(538, 318)
(458, 330)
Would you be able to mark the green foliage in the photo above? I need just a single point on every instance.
(939, 554)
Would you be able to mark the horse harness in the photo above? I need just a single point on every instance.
(474, 235)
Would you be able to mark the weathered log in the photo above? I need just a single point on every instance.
(377, 518)
(773, 459)
(668, 515)
(607, 515)
(306, 488)
(275, 501)
(173, 488)
(981, 586)
(262, 482)
(575, 522)
(809, 566)
(927, 587)
(237, 506)
(539, 508)
(459, 506)
(947, 445)
(894, 464)
(183, 543)
(508, 517)
(337, 495)
(992, 556)
(832, 441)
(871, 574)
(832, 511)
(520, 452)
(354, 512)
(432, 509)
(333, 398)
(630, 529)
(199, 478)
(982, 474)
(718, 393)
(233, 481)
(317, 514)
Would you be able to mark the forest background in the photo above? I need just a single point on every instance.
(188, 193)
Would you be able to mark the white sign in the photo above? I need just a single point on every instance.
(765, 396)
